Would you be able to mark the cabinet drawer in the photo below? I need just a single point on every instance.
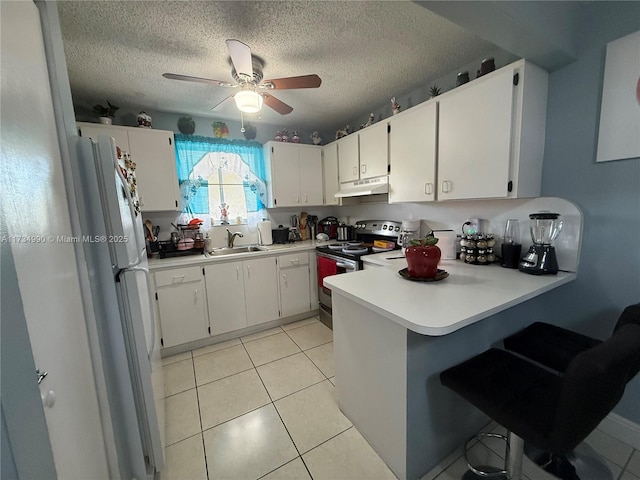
(293, 260)
(178, 275)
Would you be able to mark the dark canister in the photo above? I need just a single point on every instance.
(488, 65)
(463, 77)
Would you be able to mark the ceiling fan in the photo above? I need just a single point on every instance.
(247, 72)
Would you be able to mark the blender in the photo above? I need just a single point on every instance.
(541, 257)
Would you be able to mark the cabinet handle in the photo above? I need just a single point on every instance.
(284, 278)
(446, 186)
(295, 261)
(355, 171)
(237, 273)
(178, 279)
(363, 168)
(428, 188)
(305, 198)
(297, 198)
(248, 271)
(195, 296)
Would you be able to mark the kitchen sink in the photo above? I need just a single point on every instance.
(229, 251)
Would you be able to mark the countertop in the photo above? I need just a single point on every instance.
(469, 294)
(157, 263)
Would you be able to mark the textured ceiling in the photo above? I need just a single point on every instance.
(364, 51)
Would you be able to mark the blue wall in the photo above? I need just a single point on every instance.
(608, 194)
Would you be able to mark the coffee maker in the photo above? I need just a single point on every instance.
(541, 259)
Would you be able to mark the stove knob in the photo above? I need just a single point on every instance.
(397, 229)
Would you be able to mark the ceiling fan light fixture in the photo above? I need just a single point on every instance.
(248, 101)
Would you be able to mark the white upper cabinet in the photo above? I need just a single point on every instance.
(330, 173)
(374, 150)
(491, 135)
(294, 174)
(364, 154)
(153, 152)
(412, 154)
(348, 158)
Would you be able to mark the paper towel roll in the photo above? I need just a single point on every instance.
(264, 233)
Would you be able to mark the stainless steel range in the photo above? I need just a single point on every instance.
(346, 257)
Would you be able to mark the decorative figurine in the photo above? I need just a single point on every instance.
(434, 91)
(315, 138)
(144, 120)
(369, 122)
(224, 217)
(295, 138)
(395, 106)
(285, 135)
(279, 136)
(343, 133)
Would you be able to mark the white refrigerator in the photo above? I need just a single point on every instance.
(115, 249)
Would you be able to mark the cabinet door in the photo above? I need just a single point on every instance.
(475, 130)
(294, 290)
(154, 155)
(348, 158)
(330, 173)
(183, 314)
(412, 154)
(311, 190)
(225, 295)
(374, 151)
(95, 130)
(285, 167)
(261, 290)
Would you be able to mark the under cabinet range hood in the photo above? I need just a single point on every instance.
(359, 188)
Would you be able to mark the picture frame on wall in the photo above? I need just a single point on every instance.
(619, 132)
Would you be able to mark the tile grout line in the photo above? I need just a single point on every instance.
(204, 445)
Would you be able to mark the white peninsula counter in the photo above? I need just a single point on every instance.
(393, 337)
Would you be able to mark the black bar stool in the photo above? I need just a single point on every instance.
(554, 347)
(552, 411)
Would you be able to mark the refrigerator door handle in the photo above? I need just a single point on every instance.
(151, 307)
(127, 193)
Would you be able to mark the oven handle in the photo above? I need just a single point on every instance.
(346, 266)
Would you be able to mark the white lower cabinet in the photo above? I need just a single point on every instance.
(294, 273)
(225, 296)
(182, 305)
(195, 302)
(261, 290)
(241, 294)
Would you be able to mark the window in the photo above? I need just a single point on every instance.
(221, 179)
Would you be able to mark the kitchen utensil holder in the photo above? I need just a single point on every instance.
(477, 249)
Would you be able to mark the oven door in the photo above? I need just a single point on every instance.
(329, 265)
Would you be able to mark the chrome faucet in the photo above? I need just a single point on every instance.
(231, 237)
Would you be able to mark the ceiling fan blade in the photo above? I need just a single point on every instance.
(209, 81)
(222, 101)
(241, 57)
(303, 81)
(278, 105)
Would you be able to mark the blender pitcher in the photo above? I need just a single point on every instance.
(541, 256)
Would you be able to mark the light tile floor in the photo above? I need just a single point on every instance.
(264, 407)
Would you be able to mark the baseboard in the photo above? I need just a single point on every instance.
(622, 429)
